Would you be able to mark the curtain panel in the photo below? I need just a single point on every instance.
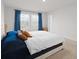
(17, 20)
(39, 21)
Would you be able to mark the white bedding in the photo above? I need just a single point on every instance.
(41, 40)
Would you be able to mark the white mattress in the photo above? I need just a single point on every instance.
(41, 40)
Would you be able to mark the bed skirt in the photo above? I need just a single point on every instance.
(47, 52)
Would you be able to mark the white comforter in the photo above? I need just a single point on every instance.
(41, 40)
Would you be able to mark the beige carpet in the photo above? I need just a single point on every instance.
(69, 51)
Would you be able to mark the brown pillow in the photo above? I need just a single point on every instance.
(26, 33)
(23, 37)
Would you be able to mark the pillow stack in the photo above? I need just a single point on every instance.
(23, 35)
(26, 33)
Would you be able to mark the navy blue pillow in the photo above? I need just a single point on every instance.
(11, 33)
(11, 36)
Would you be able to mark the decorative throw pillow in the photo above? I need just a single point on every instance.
(26, 33)
(10, 36)
(22, 36)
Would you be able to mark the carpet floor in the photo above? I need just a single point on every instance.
(69, 51)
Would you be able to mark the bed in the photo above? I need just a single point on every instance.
(43, 43)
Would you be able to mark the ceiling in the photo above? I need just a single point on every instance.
(38, 5)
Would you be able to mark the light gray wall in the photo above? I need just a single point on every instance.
(45, 18)
(2, 19)
(65, 22)
(9, 18)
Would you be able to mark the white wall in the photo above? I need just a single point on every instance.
(9, 18)
(44, 21)
(65, 22)
(2, 19)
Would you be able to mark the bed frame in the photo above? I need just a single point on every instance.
(47, 52)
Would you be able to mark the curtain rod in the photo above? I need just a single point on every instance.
(29, 11)
(15, 8)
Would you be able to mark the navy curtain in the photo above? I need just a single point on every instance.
(39, 21)
(17, 20)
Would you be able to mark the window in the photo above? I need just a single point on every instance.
(25, 23)
(34, 22)
(29, 21)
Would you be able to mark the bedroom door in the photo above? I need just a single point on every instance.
(50, 23)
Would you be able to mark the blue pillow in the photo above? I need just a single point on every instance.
(11, 36)
(11, 33)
